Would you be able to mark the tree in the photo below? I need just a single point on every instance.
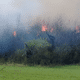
(34, 46)
(52, 38)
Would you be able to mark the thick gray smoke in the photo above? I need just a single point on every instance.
(25, 17)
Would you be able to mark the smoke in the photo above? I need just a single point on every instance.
(23, 20)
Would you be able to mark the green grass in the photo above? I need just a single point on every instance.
(21, 72)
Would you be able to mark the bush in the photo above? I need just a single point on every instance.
(20, 52)
(74, 55)
(25, 60)
(36, 44)
(36, 47)
(17, 56)
(2, 61)
(63, 52)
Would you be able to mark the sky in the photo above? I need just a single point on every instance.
(11, 8)
(31, 12)
(46, 10)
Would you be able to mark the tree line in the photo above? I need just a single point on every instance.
(35, 53)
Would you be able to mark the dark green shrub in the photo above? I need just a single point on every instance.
(63, 52)
(2, 61)
(34, 48)
(35, 45)
(17, 57)
(74, 55)
(24, 60)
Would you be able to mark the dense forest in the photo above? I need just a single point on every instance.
(41, 52)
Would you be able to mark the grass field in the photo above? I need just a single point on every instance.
(20, 72)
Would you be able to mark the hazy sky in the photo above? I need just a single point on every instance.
(10, 9)
(44, 9)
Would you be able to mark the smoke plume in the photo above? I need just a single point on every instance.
(23, 20)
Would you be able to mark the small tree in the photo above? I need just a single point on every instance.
(34, 46)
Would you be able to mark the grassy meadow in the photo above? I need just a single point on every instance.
(24, 72)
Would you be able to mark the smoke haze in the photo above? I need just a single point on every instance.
(18, 18)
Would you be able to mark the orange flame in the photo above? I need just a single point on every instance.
(77, 29)
(14, 33)
(44, 28)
